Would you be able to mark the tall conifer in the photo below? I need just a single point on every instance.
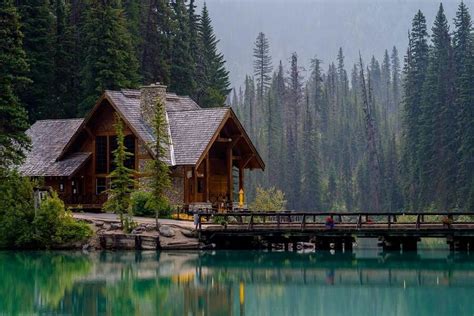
(13, 67)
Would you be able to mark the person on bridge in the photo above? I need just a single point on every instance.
(329, 222)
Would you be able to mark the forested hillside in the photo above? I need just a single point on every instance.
(77, 48)
(371, 136)
(394, 132)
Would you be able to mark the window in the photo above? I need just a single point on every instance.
(61, 187)
(112, 147)
(101, 154)
(129, 143)
(100, 185)
(200, 185)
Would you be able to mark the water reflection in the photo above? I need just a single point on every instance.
(236, 283)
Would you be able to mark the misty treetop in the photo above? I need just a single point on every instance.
(373, 138)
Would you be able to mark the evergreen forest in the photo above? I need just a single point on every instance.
(392, 133)
(395, 132)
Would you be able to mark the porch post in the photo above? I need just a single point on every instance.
(230, 181)
(241, 178)
(195, 181)
(207, 175)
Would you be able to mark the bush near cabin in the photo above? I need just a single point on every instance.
(270, 199)
(143, 204)
(21, 227)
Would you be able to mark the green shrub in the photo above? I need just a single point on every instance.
(22, 227)
(16, 210)
(54, 225)
(270, 199)
(139, 204)
(143, 204)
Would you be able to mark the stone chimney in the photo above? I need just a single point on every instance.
(149, 96)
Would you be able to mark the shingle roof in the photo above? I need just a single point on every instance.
(48, 139)
(191, 132)
(191, 129)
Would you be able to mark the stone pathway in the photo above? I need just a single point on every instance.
(110, 217)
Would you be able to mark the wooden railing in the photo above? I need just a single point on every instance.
(303, 219)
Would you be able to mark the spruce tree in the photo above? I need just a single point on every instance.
(65, 69)
(212, 77)
(262, 65)
(122, 182)
(160, 180)
(13, 67)
(157, 41)
(396, 88)
(182, 63)
(437, 144)
(37, 25)
(464, 77)
(110, 61)
(416, 63)
(294, 101)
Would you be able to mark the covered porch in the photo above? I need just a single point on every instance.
(218, 177)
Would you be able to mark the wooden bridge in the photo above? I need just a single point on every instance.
(331, 230)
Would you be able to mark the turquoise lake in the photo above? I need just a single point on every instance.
(236, 283)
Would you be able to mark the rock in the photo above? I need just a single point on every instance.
(86, 247)
(99, 224)
(115, 226)
(188, 233)
(166, 231)
(138, 230)
(150, 227)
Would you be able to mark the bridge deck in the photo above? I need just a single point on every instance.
(367, 225)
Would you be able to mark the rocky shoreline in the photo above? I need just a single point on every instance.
(110, 236)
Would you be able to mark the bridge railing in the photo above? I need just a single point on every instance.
(304, 219)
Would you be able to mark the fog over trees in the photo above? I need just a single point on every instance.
(319, 27)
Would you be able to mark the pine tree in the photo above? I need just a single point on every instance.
(110, 61)
(157, 35)
(437, 146)
(396, 86)
(122, 182)
(160, 177)
(13, 67)
(294, 99)
(385, 73)
(275, 130)
(416, 63)
(262, 65)
(65, 69)
(212, 77)
(182, 63)
(464, 76)
(38, 29)
(311, 195)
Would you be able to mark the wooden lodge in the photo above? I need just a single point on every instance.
(206, 151)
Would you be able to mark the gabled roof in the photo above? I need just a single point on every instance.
(191, 130)
(49, 137)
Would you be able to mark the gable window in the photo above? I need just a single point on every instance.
(101, 154)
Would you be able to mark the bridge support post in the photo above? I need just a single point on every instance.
(399, 243)
(295, 246)
(460, 243)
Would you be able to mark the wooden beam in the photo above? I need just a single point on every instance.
(195, 179)
(208, 174)
(246, 160)
(223, 140)
(235, 140)
(230, 181)
(241, 178)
